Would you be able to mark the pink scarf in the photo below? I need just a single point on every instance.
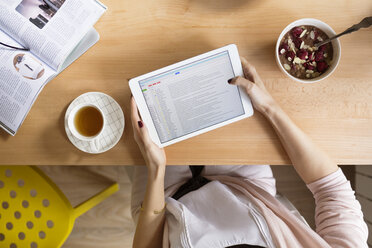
(285, 228)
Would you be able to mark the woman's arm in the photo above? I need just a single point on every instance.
(150, 226)
(310, 162)
(338, 215)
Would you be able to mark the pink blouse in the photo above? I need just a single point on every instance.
(338, 216)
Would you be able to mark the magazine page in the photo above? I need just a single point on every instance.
(49, 28)
(22, 77)
(89, 40)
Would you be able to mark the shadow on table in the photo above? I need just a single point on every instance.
(225, 5)
(4, 135)
(168, 52)
(265, 50)
(61, 122)
(57, 143)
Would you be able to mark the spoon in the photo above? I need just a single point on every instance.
(365, 23)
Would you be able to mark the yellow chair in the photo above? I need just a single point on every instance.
(34, 213)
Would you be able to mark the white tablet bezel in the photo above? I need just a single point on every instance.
(145, 113)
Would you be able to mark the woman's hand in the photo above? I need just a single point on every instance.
(255, 88)
(153, 155)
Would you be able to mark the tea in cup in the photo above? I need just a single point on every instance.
(86, 122)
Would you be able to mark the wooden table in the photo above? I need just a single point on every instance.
(141, 36)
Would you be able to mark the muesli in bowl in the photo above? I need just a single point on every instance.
(299, 55)
(299, 58)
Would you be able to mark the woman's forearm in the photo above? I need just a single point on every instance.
(310, 162)
(149, 231)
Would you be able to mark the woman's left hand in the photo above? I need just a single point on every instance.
(153, 155)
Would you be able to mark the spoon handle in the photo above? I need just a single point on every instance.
(365, 23)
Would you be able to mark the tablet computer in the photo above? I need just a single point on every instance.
(191, 97)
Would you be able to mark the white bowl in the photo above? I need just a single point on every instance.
(326, 29)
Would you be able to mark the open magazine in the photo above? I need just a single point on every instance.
(56, 32)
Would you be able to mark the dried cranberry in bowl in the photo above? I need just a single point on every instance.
(299, 56)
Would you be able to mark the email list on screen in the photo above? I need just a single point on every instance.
(192, 97)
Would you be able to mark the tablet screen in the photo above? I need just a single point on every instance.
(192, 97)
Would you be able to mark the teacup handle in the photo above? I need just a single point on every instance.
(95, 145)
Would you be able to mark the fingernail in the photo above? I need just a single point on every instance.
(140, 124)
(230, 80)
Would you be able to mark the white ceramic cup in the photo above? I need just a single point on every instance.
(93, 140)
(326, 29)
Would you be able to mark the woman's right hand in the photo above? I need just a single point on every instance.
(255, 88)
(154, 156)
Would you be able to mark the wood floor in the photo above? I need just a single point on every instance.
(109, 225)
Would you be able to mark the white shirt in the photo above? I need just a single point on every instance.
(215, 216)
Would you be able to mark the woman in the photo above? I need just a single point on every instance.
(235, 206)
